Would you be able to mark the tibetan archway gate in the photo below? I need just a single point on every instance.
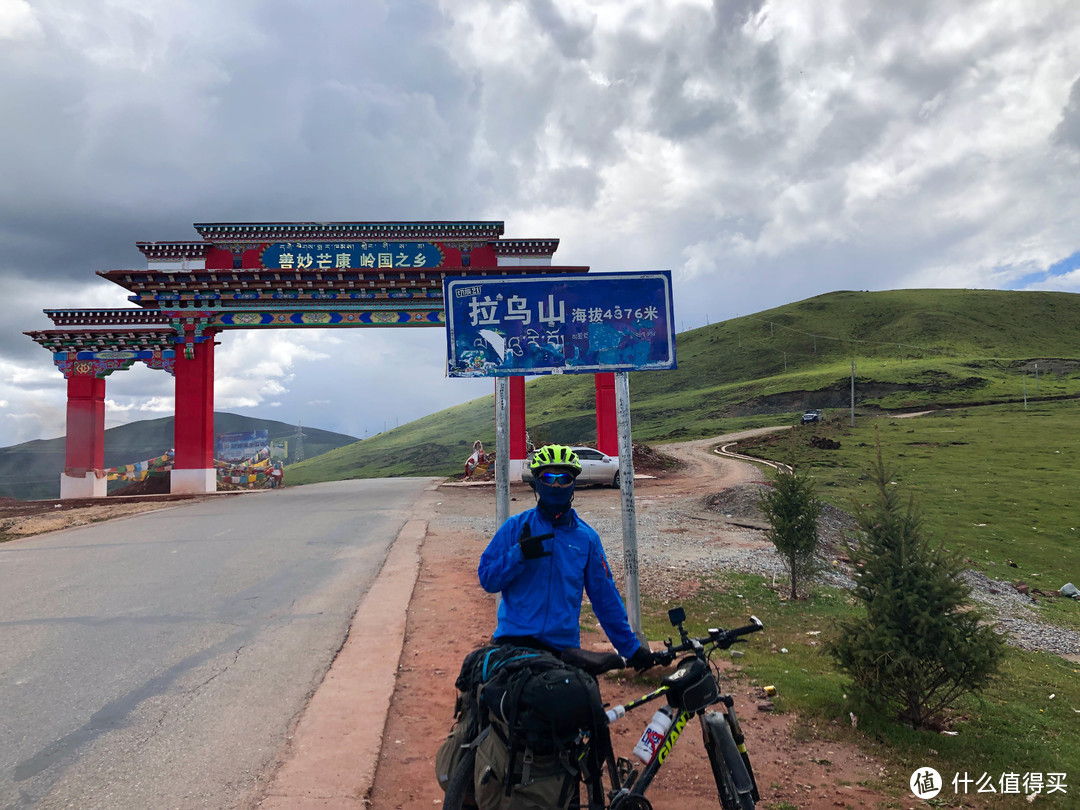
(272, 276)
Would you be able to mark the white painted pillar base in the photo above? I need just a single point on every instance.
(186, 482)
(89, 486)
(516, 466)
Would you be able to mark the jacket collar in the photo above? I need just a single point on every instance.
(567, 518)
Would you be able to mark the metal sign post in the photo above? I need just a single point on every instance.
(502, 457)
(498, 326)
(502, 450)
(629, 512)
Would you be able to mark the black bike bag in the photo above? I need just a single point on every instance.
(692, 686)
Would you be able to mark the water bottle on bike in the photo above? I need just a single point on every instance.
(653, 735)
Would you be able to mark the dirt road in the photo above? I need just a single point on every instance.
(449, 615)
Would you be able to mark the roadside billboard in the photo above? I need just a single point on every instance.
(559, 324)
(240, 446)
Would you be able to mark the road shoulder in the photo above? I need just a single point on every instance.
(332, 753)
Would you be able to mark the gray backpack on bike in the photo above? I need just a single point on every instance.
(463, 736)
(538, 708)
(522, 710)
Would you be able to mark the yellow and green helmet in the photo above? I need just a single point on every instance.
(555, 455)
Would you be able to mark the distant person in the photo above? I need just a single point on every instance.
(477, 458)
(543, 561)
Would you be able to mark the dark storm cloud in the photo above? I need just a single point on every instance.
(365, 117)
(852, 131)
(695, 72)
(571, 186)
(712, 51)
(675, 115)
(131, 123)
(1068, 131)
(572, 41)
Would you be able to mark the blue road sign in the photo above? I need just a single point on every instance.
(558, 324)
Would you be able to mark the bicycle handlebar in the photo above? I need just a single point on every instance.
(597, 663)
(754, 626)
(719, 639)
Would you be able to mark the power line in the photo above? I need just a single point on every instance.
(774, 324)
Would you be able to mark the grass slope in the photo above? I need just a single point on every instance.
(999, 485)
(912, 349)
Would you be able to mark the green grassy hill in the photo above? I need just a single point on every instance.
(31, 470)
(912, 349)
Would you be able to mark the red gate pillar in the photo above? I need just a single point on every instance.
(607, 426)
(517, 427)
(84, 457)
(193, 463)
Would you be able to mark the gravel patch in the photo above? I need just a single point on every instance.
(1015, 614)
(681, 539)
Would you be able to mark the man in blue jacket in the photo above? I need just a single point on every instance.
(544, 559)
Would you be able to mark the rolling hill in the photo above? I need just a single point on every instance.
(31, 470)
(910, 348)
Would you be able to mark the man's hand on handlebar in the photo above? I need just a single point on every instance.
(642, 659)
(663, 658)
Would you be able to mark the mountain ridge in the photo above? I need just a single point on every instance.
(911, 349)
(31, 470)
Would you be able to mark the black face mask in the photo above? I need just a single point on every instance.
(554, 501)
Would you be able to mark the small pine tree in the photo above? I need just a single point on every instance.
(792, 509)
(919, 646)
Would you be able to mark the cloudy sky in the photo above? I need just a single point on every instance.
(764, 152)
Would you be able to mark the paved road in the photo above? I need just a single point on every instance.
(158, 661)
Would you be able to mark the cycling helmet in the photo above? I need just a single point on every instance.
(555, 455)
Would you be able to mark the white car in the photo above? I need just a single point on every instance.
(596, 468)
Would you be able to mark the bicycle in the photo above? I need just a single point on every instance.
(690, 691)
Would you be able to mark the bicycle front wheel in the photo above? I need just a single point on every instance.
(733, 781)
(459, 790)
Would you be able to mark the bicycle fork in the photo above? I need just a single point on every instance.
(740, 741)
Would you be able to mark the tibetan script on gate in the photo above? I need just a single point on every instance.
(564, 324)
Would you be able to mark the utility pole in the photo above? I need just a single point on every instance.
(853, 392)
(298, 438)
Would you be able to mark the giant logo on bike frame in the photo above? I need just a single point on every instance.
(673, 735)
(565, 324)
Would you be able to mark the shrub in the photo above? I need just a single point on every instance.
(919, 646)
(792, 509)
